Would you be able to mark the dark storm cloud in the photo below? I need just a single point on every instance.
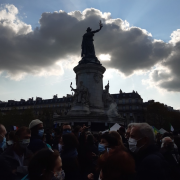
(169, 78)
(60, 34)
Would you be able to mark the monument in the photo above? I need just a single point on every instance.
(91, 103)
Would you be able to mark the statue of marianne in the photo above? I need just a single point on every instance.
(87, 42)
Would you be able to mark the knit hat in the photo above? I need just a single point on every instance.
(34, 123)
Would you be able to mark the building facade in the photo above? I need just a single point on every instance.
(129, 106)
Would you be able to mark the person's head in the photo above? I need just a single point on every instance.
(166, 134)
(66, 129)
(129, 130)
(107, 141)
(88, 29)
(118, 137)
(158, 136)
(69, 141)
(96, 137)
(141, 137)
(167, 143)
(77, 130)
(122, 131)
(90, 139)
(45, 165)
(2, 136)
(36, 127)
(116, 164)
(22, 138)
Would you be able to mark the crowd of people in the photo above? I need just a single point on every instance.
(75, 153)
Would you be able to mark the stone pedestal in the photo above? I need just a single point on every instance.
(80, 110)
(92, 77)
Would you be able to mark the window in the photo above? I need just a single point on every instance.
(130, 114)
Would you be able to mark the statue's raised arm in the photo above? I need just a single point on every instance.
(100, 27)
(88, 51)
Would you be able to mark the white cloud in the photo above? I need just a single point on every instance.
(104, 57)
(175, 36)
(56, 45)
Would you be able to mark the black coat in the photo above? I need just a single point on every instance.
(36, 144)
(151, 165)
(174, 166)
(70, 164)
(8, 164)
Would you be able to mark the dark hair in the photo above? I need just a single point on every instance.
(76, 129)
(66, 124)
(11, 135)
(166, 134)
(112, 141)
(69, 141)
(20, 131)
(122, 129)
(116, 164)
(90, 139)
(42, 164)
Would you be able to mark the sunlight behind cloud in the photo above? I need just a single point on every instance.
(105, 57)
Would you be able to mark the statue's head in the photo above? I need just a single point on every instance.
(88, 29)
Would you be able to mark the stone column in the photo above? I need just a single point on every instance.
(92, 77)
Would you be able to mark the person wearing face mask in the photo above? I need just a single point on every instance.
(66, 129)
(46, 164)
(108, 141)
(37, 132)
(150, 163)
(17, 156)
(116, 164)
(171, 156)
(2, 138)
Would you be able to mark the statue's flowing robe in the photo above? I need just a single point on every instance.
(87, 45)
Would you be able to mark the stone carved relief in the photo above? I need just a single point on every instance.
(81, 94)
(109, 103)
(97, 77)
(107, 98)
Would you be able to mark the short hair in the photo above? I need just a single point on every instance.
(21, 130)
(166, 138)
(146, 131)
(131, 125)
(66, 124)
(42, 162)
(116, 164)
(112, 141)
(76, 129)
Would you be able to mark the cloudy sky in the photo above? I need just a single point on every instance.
(139, 44)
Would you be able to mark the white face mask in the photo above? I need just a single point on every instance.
(10, 142)
(133, 145)
(24, 143)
